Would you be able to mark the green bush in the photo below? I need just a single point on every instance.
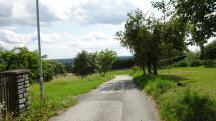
(22, 58)
(182, 64)
(135, 69)
(41, 112)
(188, 105)
(209, 63)
(157, 86)
(195, 63)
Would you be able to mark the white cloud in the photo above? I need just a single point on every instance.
(6, 8)
(105, 17)
(23, 12)
(10, 39)
(106, 12)
(61, 45)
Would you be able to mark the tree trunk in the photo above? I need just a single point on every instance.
(201, 51)
(155, 68)
(149, 69)
(143, 68)
(104, 74)
(101, 73)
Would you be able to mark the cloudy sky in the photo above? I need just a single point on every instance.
(67, 26)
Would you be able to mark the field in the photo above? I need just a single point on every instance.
(60, 93)
(195, 77)
(187, 94)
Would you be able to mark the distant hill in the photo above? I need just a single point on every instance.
(71, 60)
(125, 57)
(122, 62)
(65, 61)
(68, 62)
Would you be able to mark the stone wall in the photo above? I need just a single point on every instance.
(18, 97)
(23, 101)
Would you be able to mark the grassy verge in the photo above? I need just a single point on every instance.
(60, 94)
(194, 100)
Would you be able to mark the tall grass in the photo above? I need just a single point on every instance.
(187, 105)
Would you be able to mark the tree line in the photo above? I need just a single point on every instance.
(183, 23)
(87, 63)
(84, 63)
(22, 58)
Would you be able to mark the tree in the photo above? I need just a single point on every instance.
(2, 64)
(104, 61)
(48, 71)
(200, 14)
(147, 38)
(81, 64)
(136, 37)
(210, 51)
(22, 58)
(58, 68)
(92, 61)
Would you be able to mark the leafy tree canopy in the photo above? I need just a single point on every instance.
(210, 51)
(104, 61)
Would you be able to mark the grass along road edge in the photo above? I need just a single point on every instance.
(180, 103)
(61, 94)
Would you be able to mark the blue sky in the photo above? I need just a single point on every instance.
(67, 26)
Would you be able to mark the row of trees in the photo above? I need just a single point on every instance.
(183, 23)
(22, 58)
(87, 63)
(152, 40)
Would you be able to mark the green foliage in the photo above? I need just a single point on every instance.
(182, 64)
(154, 85)
(195, 63)
(92, 60)
(158, 86)
(136, 36)
(210, 51)
(59, 68)
(51, 69)
(192, 59)
(104, 61)
(188, 105)
(135, 69)
(40, 112)
(81, 64)
(123, 63)
(22, 58)
(201, 17)
(193, 56)
(48, 71)
(88, 63)
(182, 103)
(209, 63)
(151, 39)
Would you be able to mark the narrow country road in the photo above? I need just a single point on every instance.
(115, 100)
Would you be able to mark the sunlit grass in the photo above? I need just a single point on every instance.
(192, 100)
(196, 77)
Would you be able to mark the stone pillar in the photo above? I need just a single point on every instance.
(17, 82)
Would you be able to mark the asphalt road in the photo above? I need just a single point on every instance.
(115, 100)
